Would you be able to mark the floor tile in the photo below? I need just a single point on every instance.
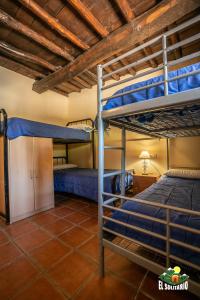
(3, 237)
(92, 211)
(8, 252)
(29, 241)
(20, 228)
(14, 276)
(91, 248)
(91, 224)
(63, 211)
(126, 269)
(58, 226)
(150, 286)
(49, 253)
(75, 236)
(71, 273)
(107, 288)
(40, 289)
(77, 205)
(43, 219)
(77, 217)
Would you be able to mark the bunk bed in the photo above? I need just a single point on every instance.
(25, 142)
(164, 219)
(83, 182)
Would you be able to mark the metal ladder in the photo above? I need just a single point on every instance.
(101, 169)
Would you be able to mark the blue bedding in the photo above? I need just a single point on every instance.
(84, 182)
(21, 127)
(184, 193)
(178, 85)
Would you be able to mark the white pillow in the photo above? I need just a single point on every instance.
(64, 166)
(183, 173)
(84, 127)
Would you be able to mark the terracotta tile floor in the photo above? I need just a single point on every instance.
(54, 256)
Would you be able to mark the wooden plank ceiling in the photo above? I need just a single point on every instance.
(59, 42)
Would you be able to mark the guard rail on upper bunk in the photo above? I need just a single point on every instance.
(179, 100)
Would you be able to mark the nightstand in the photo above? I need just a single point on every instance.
(141, 182)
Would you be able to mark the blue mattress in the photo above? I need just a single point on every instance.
(184, 193)
(84, 182)
(20, 127)
(178, 85)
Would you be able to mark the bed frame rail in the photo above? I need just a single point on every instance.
(3, 133)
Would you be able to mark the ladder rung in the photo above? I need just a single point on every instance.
(113, 174)
(114, 147)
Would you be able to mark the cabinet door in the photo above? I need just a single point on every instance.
(21, 177)
(43, 173)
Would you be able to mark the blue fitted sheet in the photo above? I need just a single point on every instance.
(178, 85)
(84, 182)
(21, 127)
(184, 193)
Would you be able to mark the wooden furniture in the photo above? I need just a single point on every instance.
(141, 182)
(30, 176)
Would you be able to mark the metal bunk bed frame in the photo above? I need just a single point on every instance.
(66, 143)
(3, 130)
(160, 104)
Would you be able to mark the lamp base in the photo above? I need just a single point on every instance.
(145, 173)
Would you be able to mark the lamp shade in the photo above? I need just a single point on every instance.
(144, 155)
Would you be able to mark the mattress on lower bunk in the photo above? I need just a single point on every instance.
(21, 127)
(84, 182)
(184, 193)
(175, 86)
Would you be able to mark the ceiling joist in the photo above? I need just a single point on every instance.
(22, 55)
(33, 35)
(141, 28)
(129, 15)
(53, 23)
(89, 17)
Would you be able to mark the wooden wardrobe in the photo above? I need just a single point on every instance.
(30, 165)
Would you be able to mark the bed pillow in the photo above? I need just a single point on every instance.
(183, 173)
(64, 166)
(84, 127)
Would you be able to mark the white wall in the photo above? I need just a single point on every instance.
(17, 97)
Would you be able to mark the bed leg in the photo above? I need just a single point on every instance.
(100, 172)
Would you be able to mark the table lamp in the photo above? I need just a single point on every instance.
(144, 155)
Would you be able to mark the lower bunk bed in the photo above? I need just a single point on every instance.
(162, 221)
(83, 182)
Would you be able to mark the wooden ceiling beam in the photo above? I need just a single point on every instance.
(71, 86)
(88, 79)
(53, 23)
(174, 38)
(125, 62)
(26, 71)
(83, 82)
(109, 70)
(10, 22)
(129, 15)
(91, 74)
(19, 54)
(126, 10)
(84, 11)
(141, 28)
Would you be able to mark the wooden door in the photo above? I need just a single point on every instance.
(21, 178)
(2, 194)
(43, 173)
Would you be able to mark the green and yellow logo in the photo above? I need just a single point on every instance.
(172, 279)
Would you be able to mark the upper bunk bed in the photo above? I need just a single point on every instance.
(167, 105)
(13, 128)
